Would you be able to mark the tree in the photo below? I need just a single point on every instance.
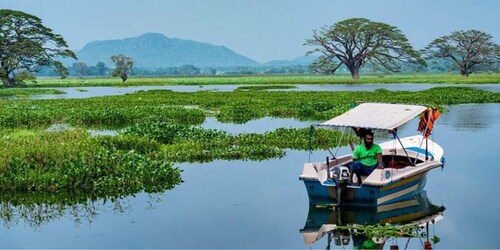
(26, 45)
(468, 49)
(101, 68)
(123, 64)
(356, 41)
(80, 69)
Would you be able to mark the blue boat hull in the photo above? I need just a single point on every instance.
(365, 195)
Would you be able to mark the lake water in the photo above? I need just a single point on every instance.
(250, 204)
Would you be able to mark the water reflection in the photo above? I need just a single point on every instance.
(374, 227)
(471, 117)
(36, 210)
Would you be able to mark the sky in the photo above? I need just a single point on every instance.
(262, 30)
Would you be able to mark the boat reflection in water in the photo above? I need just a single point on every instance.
(343, 225)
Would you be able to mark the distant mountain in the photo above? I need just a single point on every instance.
(155, 50)
(302, 61)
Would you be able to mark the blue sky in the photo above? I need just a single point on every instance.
(260, 29)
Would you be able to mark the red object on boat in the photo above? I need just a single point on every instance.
(427, 121)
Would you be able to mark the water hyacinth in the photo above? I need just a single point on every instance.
(74, 161)
(161, 128)
(193, 143)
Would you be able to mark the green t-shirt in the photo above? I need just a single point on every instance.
(365, 156)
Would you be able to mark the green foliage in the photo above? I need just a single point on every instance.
(192, 143)
(25, 46)
(92, 113)
(470, 50)
(142, 145)
(265, 87)
(160, 131)
(123, 65)
(19, 92)
(272, 80)
(72, 161)
(381, 232)
(354, 42)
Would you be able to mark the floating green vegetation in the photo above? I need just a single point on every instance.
(96, 114)
(81, 90)
(191, 143)
(272, 79)
(161, 130)
(20, 92)
(72, 161)
(377, 234)
(234, 107)
(265, 87)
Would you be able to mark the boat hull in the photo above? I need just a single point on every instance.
(364, 195)
(404, 175)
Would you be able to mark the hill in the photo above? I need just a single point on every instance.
(155, 50)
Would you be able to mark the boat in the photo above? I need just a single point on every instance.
(407, 160)
(342, 224)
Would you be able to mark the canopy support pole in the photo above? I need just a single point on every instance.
(426, 149)
(311, 131)
(403, 147)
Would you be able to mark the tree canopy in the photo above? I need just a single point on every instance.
(469, 50)
(123, 64)
(26, 44)
(356, 41)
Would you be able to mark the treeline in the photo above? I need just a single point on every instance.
(101, 69)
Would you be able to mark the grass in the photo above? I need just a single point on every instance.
(270, 79)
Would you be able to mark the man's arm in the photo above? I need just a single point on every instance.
(379, 161)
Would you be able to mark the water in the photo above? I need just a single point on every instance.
(247, 204)
(87, 92)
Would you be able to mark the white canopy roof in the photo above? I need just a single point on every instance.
(382, 116)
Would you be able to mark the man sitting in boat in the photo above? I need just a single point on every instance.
(366, 157)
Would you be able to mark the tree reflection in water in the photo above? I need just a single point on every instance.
(36, 210)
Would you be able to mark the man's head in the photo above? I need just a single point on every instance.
(368, 139)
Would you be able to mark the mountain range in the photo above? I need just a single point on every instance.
(155, 50)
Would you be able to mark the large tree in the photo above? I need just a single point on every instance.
(123, 65)
(356, 41)
(469, 50)
(26, 44)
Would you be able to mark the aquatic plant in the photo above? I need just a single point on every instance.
(19, 92)
(265, 87)
(73, 161)
(193, 143)
(236, 106)
(378, 233)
